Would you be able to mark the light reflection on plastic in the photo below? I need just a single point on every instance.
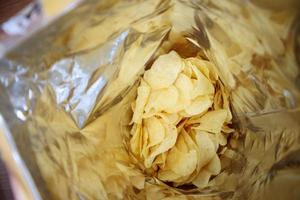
(20, 115)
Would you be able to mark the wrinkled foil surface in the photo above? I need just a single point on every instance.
(59, 87)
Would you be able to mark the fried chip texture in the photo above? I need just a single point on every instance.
(178, 118)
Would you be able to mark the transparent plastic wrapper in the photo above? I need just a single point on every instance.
(67, 91)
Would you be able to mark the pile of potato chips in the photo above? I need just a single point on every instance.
(181, 117)
(95, 125)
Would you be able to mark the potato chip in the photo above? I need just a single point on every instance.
(202, 179)
(187, 70)
(156, 131)
(164, 71)
(201, 85)
(183, 109)
(144, 140)
(198, 106)
(206, 148)
(189, 141)
(222, 139)
(162, 100)
(143, 93)
(215, 140)
(206, 68)
(168, 175)
(181, 160)
(171, 118)
(185, 86)
(168, 142)
(212, 121)
(214, 166)
(182, 163)
(161, 160)
(181, 144)
(135, 142)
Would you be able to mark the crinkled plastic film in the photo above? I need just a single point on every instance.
(66, 95)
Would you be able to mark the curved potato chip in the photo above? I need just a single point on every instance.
(182, 163)
(143, 93)
(186, 156)
(167, 143)
(198, 106)
(206, 148)
(206, 68)
(181, 144)
(215, 139)
(145, 148)
(191, 144)
(187, 70)
(136, 141)
(164, 71)
(212, 121)
(214, 166)
(170, 118)
(156, 131)
(202, 85)
(161, 160)
(222, 139)
(185, 86)
(183, 109)
(202, 179)
(162, 100)
(218, 101)
(167, 175)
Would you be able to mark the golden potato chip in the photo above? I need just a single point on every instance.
(214, 166)
(144, 140)
(187, 70)
(222, 139)
(206, 148)
(212, 121)
(201, 85)
(198, 106)
(189, 141)
(182, 163)
(202, 179)
(162, 100)
(215, 140)
(185, 86)
(168, 142)
(156, 131)
(135, 142)
(206, 68)
(161, 160)
(164, 71)
(171, 118)
(143, 93)
(181, 144)
(167, 175)
(183, 109)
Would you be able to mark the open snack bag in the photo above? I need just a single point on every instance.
(159, 99)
